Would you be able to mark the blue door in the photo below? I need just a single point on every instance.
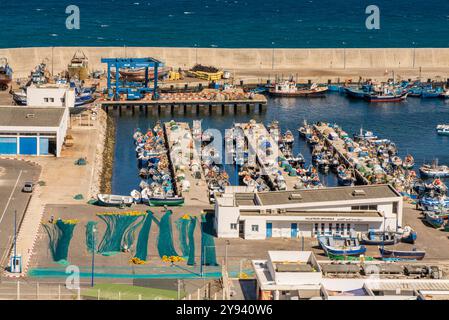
(8, 146)
(28, 146)
(269, 230)
(294, 231)
(43, 146)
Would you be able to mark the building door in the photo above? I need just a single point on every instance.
(294, 232)
(242, 229)
(269, 229)
(28, 146)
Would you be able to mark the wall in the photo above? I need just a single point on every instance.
(23, 60)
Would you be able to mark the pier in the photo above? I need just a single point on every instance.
(186, 107)
(185, 162)
(253, 134)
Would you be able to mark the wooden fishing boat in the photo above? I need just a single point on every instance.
(402, 254)
(341, 246)
(109, 200)
(20, 97)
(409, 162)
(290, 89)
(379, 238)
(391, 97)
(355, 93)
(79, 66)
(434, 219)
(408, 235)
(161, 201)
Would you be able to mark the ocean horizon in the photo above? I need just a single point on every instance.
(226, 24)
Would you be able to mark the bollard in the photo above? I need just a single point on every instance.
(199, 294)
(59, 292)
(79, 293)
(140, 297)
(119, 295)
(215, 296)
(98, 294)
(37, 290)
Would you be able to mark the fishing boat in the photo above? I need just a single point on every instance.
(402, 254)
(345, 176)
(79, 66)
(409, 162)
(355, 93)
(379, 238)
(160, 201)
(109, 200)
(408, 235)
(431, 93)
(341, 246)
(5, 74)
(386, 97)
(20, 97)
(443, 129)
(290, 89)
(138, 74)
(288, 138)
(365, 135)
(434, 171)
(433, 219)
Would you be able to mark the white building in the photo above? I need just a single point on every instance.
(295, 275)
(307, 213)
(33, 131)
(51, 96)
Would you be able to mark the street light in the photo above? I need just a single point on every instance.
(94, 231)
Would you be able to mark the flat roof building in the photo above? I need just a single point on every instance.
(297, 275)
(308, 213)
(33, 131)
(51, 95)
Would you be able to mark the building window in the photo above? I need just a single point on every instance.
(337, 228)
(364, 208)
(330, 228)
(395, 207)
(45, 99)
(255, 228)
(315, 229)
(233, 226)
(348, 228)
(322, 228)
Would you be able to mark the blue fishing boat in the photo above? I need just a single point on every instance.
(379, 238)
(434, 219)
(443, 129)
(355, 93)
(401, 254)
(409, 235)
(431, 93)
(341, 246)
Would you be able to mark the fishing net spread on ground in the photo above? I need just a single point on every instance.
(208, 253)
(186, 228)
(60, 234)
(120, 229)
(91, 236)
(142, 239)
(165, 245)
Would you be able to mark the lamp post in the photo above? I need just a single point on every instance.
(94, 231)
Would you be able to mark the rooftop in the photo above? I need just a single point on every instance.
(30, 117)
(316, 195)
(333, 214)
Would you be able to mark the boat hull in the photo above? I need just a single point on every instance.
(405, 255)
(161, 202)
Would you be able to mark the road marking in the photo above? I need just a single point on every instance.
(10, 196)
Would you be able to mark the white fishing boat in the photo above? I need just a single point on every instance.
(443, 129)
(109, 200)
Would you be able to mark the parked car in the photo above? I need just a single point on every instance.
(28, 187)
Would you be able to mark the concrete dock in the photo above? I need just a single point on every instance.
(185, 162)
(339, 146)
(253, 134)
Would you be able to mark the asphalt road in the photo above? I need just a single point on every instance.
(13, 175)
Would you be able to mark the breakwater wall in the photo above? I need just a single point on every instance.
(57, 58)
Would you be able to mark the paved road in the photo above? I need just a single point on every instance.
(13, 175)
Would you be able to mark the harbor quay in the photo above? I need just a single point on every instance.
(132, 173)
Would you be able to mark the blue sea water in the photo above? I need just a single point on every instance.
(410, 124)
(225, 23)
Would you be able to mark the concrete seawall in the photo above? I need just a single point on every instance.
(25, 59)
